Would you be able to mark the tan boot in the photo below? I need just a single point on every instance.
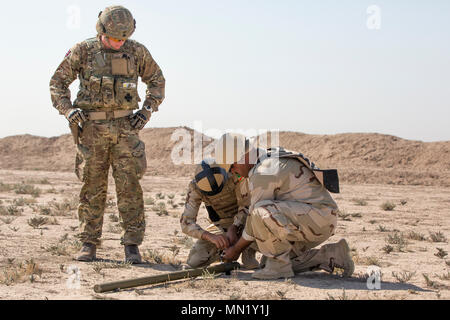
(87, 252)
(328, 257)
(274, 269)
(249, 260)
(132, 254)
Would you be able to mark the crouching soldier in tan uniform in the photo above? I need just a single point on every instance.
(225, 196)
(291, 211)
(108, 67)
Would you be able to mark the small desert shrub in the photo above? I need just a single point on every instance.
(8, 220)
(356, 215)
(404, 276)
(343, 296)
(359, 202)
(37, 222)
(412, 235)
(388, 248)
(10, 211)
(20, 273)
(403, 202)
(160, 196)
(441, 253)
(4, 187)
(171, 196)
(28, 189)
(149, 201)
(116, 228)
(445, 276)
(382, 228)
(388, 206)
(64, 247)
(160, 209)
(437, 237)
(186, 241)
(110, 203)
(344, 216)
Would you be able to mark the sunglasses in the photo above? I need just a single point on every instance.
(115, 40)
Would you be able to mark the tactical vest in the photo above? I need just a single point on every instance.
(328, 178)
(223, 205)
(108, 79)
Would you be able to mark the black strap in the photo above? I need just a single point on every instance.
(209, 173)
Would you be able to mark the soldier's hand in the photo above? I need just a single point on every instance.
(221, 241)
(231, 254)
(140, 119)
(232, 234)
(76, 116)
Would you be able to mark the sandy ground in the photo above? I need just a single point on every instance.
(36, 262)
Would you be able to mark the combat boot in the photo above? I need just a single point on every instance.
(87, 252)
(132, 254)
(274, 269)
(328, 257)
(249, 260)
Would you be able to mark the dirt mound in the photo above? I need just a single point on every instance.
(360, 158)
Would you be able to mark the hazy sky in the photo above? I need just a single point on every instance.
(320, 67)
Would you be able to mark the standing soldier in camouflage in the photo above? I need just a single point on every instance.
(108, 67)
(226, 199)
(290, 213)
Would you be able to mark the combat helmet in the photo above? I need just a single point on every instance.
(210, 178)
(116, 22)
(231, 148)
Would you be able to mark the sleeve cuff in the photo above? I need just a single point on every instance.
(247, 237)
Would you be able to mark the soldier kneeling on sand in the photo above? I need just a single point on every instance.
(291, 211)
(226, 200)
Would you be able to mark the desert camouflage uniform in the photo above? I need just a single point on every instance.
(290, 211)
(228, 207)
(108, 83)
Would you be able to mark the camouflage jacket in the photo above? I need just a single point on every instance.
(108, 78)
(228, 207)
(286, 179)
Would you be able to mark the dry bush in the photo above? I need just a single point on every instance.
(64, 247)
(8, 220)
(10, 211)
(160, 209)
(5, 187)
(388, 248)
(28, 189)
(388, 206)
(383, 228)
(171, 196)
(445, 276)
(113, 217)
(343, 296)
(115, 228)
(441, 253)
(14, 274)
(359, 202)
(149, 201)
(344, 216)
(437, 237)
(412, 235)
(156, 257)
(403, 276)
(160, 196)
(37, 222)
(21, 202)
(399, 240)
(186, 241)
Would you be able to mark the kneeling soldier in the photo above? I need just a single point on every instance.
(222, 194)
(291, 212)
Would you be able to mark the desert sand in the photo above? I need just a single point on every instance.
(395, 213)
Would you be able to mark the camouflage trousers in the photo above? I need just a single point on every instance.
(286, 229)
(204, 253)
(105, 144)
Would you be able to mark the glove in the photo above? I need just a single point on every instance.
(76, 116)
(140, 119)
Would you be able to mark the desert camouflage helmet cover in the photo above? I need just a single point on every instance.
(210, 177)
(116, 22)
(231, 148)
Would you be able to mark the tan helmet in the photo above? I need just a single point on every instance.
(116, 22)
(231, 148)
(210, 177)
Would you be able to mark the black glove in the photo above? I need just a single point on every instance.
(140, 119)
(76, 116)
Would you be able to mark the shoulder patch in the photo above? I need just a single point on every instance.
(68, 53)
